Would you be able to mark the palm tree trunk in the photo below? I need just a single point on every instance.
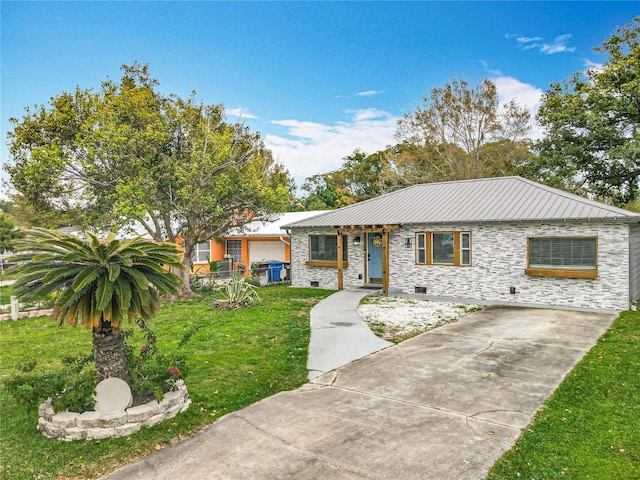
(108, 352)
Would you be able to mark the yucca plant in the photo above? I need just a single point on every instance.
(236, 293)
(100, 284)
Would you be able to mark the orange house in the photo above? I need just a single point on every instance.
(256, 242)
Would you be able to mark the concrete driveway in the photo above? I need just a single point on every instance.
(443, 405)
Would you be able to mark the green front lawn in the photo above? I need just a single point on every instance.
(5, 294)
(590, 427)
(236, 358)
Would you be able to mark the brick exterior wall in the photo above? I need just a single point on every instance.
(499, 258)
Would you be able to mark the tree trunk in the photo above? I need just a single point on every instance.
(108, 352)
(185, 273)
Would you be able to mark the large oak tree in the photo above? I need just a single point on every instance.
(126, 155)
(592, 124)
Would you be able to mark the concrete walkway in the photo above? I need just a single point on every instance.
(338, 334)
(444, 405)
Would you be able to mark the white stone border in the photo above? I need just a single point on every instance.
(92, 425)
(25, 314)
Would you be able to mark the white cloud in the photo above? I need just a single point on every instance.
(595, 66)
(525, 94)
(493, 72)
(240, 113)
(308, 148)
(559, 44)
(368, 93)
(510, 88)
(523, 39)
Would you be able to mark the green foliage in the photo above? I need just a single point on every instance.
(237, 358)
(128, 154)
(235, 293)
(592, 125)
(588, 429)
(152, 371)
(254, 277)
(96, 281)
(71, 387)
(8, 233)
(214, 266)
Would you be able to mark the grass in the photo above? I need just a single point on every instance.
(589, 429)
(237, 358)
(9, 273)
(5, 294)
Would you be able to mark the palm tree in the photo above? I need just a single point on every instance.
(99, 284)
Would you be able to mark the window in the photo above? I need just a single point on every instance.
(202, 252)
(443, 248)
(465, 248)
(421, 248)
(234, 250)
(324, 248)
(572, 257)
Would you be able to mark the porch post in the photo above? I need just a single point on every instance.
(339, 262)
(385, 262)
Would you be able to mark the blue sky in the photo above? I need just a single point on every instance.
(317, 80)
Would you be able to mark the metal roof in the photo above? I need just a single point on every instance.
(504, 199)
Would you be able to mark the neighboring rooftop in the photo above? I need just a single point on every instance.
(275, 226)
(503, 199)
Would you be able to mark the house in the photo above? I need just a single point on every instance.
(496, 240)
(256, 242)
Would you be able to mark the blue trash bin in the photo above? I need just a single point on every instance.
(274, 271)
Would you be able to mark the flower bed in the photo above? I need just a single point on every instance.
(93, 425)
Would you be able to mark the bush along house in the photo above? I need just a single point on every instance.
(494, 241)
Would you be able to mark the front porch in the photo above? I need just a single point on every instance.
(376, 254)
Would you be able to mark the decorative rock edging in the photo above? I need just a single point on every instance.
(92, 425)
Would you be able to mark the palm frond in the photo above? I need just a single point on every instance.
(86, 277)
(123, 292)
(136, 276)
(97, 280)
(104, 292)
(114, 271)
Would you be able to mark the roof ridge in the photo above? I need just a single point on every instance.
(465, 180)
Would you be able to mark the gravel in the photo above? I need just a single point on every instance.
(396, 319)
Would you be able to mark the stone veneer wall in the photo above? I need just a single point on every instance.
(327, 277)
(499, 258)
(634, 263)
(96, 425)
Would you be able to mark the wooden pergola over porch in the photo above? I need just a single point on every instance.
(384, 229)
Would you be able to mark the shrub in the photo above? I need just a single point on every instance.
(154, 373)
(236, 293)
(70, 387)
